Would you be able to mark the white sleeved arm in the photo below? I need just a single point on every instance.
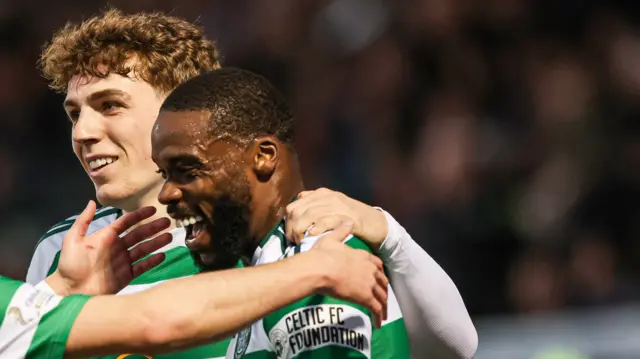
(436, 318)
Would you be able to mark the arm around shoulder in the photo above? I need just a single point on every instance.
(435, 315)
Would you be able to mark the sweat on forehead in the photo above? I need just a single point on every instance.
(240, 103)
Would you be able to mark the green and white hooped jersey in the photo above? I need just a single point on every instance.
(318, 327)
(35, 324)
(178, 263)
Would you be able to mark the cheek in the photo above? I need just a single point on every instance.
(77, 149)
(201, 194)
(134, 137)
(208, 188)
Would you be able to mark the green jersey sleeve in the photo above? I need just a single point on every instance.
(35, 324)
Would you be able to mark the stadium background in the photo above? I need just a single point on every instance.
(502, 133)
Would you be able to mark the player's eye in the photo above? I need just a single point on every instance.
(187, 172)
(110, 106)
(74, 115)
(162, 173)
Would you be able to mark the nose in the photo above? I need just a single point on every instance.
(169, 194)
(88, 128)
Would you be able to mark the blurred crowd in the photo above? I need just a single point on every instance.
(501, 133)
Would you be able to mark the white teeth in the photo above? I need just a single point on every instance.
(93, 164)
(188, 221)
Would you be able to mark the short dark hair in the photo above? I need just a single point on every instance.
(243, 105)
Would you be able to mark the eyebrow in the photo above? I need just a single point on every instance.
(100, 94)
(184, 160)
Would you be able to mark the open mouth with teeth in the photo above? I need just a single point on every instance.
(194, 226)
(100, 163)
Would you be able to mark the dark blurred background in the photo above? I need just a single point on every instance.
(502, 133)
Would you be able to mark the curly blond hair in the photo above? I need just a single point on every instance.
(166, 51)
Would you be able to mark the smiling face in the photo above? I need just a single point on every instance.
(223, 144)
(112, 119)
(207, 187)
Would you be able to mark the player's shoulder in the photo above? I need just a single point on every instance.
(8, 288)
(6, 281)
(103, 217)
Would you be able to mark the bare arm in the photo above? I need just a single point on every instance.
(192, 311)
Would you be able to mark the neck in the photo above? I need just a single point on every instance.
(271, 206)
(150, 198)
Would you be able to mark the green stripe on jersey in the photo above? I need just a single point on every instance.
(66, 224)
(8, 288)
(53, 330)
(54, 265)
(178, 263)
(390, 341)
(277, 231)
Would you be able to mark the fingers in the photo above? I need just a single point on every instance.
(381, 292)
(327, 223)
(378, 289)
(297, 224)
(338, 235)
(317, 211)
(80, 226)
(322, 191)
(381, 289)
(316, 217)
(374, 284)
(145, 231)
(304, 194)
(144, 249)
(132, 218)
(302, 213)
(147, 264)
(308, 199)
(376, 307)
(378, 303)
(377, 322)
(377, 261)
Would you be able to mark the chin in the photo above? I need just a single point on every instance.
(210, 261)
(111, 195)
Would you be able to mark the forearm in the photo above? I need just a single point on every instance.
(191, 311)
(437, 320)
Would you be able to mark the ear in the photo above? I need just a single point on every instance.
(265, 157)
